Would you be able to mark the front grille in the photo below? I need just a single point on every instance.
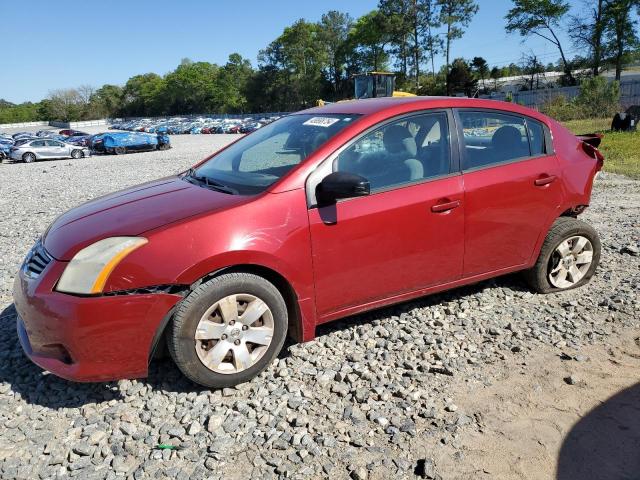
(36, 261)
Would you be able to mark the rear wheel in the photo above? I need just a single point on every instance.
(568, 259)
(228, 330)
(28, 157)
(76, 154)
(120, 150)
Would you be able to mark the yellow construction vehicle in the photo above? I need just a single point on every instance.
(374, 85)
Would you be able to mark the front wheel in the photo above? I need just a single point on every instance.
(29, 158)
(568, 258)
(228, 330)
(119, 150)
(76, 154)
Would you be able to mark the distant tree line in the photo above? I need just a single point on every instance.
(313, 60)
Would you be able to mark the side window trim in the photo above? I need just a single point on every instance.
(462, 151)
(327, 165)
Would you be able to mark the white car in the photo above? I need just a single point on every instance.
(45, 149)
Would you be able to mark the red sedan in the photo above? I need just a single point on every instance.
(322, 214)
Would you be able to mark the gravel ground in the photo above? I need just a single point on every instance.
(360, 401)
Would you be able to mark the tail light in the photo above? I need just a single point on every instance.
(590, 144)
(594, 153)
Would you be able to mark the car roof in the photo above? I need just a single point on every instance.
(398, 105)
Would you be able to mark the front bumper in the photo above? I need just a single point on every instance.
(86, 338)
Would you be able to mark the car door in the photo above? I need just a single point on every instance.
(511, 188)
(57, 149)
(407, 234)
(39, 148)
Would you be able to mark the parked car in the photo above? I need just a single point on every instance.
(121, 142)
(322, 214)
(69, 132)
(82, 140)
(46, 149)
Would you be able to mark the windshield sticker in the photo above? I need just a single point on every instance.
(321, 121)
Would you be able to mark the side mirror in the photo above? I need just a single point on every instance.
(338, 185)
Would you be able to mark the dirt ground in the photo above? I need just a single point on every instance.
(534, 424)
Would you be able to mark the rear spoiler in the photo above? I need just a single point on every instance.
(592, 139)
(590, 143)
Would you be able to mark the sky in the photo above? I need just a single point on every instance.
(49, 45)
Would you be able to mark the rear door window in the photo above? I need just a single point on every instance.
(490, 138)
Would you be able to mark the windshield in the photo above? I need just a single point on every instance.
(255, 162)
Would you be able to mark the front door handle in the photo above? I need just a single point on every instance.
(541, 182)
(445, 207)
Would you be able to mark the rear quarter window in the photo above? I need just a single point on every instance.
(536, 137)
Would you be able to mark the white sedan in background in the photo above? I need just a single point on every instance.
(45, 149)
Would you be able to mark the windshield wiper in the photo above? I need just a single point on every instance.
(208, 183)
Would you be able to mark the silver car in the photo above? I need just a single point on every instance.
(45, 149)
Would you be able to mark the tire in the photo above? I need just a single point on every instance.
(119, 150)
(28, 157)
(76, 154)
(190, 354)
(566, 235)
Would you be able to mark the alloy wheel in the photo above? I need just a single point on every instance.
(234, 333)
(570, 261)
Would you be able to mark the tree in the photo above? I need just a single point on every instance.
(107, 101)
(461, 78)
(231, 84)
(620, 36)
(65, 104)
(431, 20)
(398, 24)
(410, 24)
(495, 74)
(300, 57)
(142, 95)
(192, 88)
(532, 68)
(481, 68)
(586, 31)
(541, 18)
(455, 14)
(333, 32)
(369, 37)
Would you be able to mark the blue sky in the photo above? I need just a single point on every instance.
(49, 45)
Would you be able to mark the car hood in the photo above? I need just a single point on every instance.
(131, 212)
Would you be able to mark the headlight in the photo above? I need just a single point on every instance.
(89, 269)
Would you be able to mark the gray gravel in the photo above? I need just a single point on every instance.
(357, 402)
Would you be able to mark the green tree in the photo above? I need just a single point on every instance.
(191, 88)
(65, 104)
(107, 101)
(541, 18)
(587, 31)
(461, 78)
(368, 38)
(232, 83)
(333, 33)
(495, 74)
(620, 34)
(142, 95)
(300, 57)
(410, 25)
(455, 15)
(481, 68)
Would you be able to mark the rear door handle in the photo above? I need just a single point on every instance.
(541, 182)
(444, 207)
